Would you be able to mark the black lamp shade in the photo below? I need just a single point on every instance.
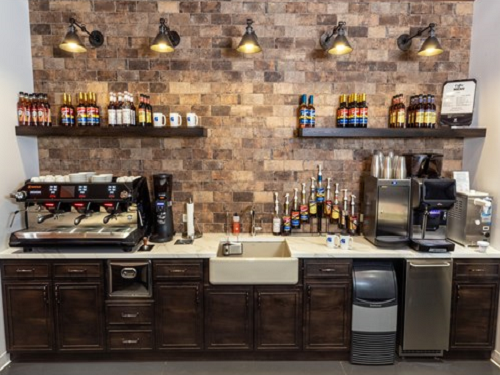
(249, 43)
(72, 42)
(340, 46)
(162, 43)
(430, 47)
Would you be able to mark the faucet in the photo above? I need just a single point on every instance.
(254, 228)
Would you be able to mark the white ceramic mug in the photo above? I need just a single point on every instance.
(159, 119)
(346, 242)
(175, 119)
(332, 241)
(192, 119)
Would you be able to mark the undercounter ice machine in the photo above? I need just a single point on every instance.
(374, 314)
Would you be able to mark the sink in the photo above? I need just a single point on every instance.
(261, 262)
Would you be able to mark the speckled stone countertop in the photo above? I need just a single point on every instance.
(207, 246)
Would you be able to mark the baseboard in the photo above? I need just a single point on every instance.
(495, 357)
(4, 360)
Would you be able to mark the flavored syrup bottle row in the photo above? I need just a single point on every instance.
(67, 112)
(421, 112)
(87, 111)
(33, 110)
(307, 112)
(123, 112)
(352, 111)
(340, 213)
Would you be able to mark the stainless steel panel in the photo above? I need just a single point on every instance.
(373, 319)
(393, 210)
(427, 304)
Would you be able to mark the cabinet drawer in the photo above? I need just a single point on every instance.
(327, 269)
(25, 270)
(77, 270)
(185, 269)
(476, 268)
(130, 340)
(125, 314)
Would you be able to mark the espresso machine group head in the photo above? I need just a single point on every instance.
(163, 223)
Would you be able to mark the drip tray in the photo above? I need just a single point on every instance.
(72, 232)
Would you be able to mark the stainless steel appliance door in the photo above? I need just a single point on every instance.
(427, 304)
(393, 210)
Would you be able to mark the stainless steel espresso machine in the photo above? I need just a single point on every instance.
(66, 215)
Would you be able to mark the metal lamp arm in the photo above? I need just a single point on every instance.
(421, 31)
(335, 30)
(80, 26)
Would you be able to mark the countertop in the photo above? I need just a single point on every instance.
(207, 246)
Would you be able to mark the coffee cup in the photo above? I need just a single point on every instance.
(192, 119)
(346, 242)
(159, 119)
(175, 119)
(483, 246)
(332, 241)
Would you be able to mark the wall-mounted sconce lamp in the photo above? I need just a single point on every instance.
(338, 46)
(72, 42)
(430, 47)
(166, 40)
(249, 42)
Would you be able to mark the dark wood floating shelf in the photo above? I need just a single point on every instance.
(59, 131)
(391, 133)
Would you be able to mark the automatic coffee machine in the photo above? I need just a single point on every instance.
(104, 215)
(431, 201)
(163, 226)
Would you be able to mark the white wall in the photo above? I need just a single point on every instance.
(482, 157)
(18, 156)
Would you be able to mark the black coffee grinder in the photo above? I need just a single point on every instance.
(163, 225)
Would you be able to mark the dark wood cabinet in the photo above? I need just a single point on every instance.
(179, 315)
(328, 300)
(278, 318)
(475, 304)
(229, 318)
(79, 316)
(28, 316)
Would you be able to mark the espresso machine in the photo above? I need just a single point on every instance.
(163, 226)
(104, 215)
(469, 220)
(432, 198)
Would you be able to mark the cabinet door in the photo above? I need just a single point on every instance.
(474, 315)
(278, 318)
(79, 316)
(28, 318)
(179, 318)
(328, 315)
(228, 318)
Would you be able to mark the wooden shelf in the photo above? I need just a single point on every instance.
(391, 133)
(59, 131)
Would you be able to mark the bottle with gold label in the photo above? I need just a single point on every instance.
(313, 208)
(401, 113)
(342, 112)
(335, 206)
(433, 115)
(328, 200)
(71, 111)
(295, 214)
(363, 111)
(353, 222)
(311, 112)
(287, 220)
(304, 207)
(419, 112)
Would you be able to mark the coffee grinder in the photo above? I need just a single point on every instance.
(163, 223)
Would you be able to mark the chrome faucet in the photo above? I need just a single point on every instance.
(254, 228)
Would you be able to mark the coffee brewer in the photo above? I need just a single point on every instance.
(163, 223)
(386, 211)
(101, 215)
(431, 200)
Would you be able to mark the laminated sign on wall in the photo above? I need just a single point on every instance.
(458, 102)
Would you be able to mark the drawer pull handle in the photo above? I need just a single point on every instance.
(477, 270)
(77, 270)
(130, 342)
(25, 270)
(327, 269)
(178, 271)
(130, 315)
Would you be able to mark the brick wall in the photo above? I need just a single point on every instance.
(247, 103)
